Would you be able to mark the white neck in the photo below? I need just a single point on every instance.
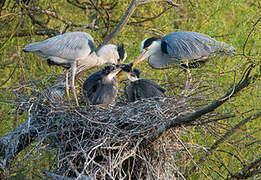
(107, 54)
(132, 78)
(154, 48)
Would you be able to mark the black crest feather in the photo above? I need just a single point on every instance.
(149, 41)
(121, 51)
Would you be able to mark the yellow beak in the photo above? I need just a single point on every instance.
(116, 72)
(139, 59)
(119, 77)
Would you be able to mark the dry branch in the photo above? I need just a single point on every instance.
(224, 137)
(125, 18)
(190, 117)
(140, 2)
(121, 141)
(252, 169)
(127, 15)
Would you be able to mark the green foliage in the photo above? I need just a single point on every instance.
(230, 21)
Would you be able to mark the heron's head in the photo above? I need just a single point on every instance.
(112, 53)
(110, 72)
(133, 74)
(122, 53)
(149, 47)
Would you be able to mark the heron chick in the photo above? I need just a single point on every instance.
(76, 51)
(101, 87)
(140, 88)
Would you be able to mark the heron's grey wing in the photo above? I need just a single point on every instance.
(185, 45)
(91, 85)
(73, 45)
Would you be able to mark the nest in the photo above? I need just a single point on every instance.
(127, 140)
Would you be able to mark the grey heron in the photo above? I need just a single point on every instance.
(180, 47)
(75, 51)
(101, 87)
(140, 88)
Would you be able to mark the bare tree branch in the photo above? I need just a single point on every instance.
(56, 16)
(121, 24)
(223, 138)
(2, 3)
(252, 169)
(141, 2)
(59, 177)
(54, 122)
(125, 18)
(188, 118)
(248, 36)
(23, 33)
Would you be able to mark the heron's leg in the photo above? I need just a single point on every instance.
(67, 82)
(189, 80)
(74, 66)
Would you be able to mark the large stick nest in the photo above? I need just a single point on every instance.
(124, 140)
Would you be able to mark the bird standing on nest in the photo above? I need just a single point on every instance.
(75, 51)
(181, 48)
(102, 86)
(140, 88)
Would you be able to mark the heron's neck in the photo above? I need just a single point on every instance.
(133, 78)
(91, 61)
(94, 60)
(103, 59)
(155, 48)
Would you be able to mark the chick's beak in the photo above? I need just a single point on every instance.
(116, 72)
(140, 58)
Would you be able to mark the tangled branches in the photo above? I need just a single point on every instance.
(128, 140)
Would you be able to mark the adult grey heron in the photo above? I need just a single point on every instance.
(140, 88)
(102, 86)
(180, 47)
(75, 51)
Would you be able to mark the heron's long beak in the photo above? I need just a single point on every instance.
(118, 74)
(119, 77)
(115, 73)
(139, 59)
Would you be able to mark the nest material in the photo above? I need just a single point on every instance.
(115, 142)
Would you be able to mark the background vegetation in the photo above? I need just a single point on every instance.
(236, 22)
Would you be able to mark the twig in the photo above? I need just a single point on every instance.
(191, 156)
(224, 137)
(252, 169)
(59, 177)
(190, 117)
(141, 2)
(248, 36)
(121, 24)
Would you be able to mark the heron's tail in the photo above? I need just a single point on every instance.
(225, 49)
(230, 51)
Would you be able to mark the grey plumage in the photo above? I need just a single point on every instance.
(102, 86)
(76, 50)
(68, 47)
(138, 88)
(178, 47)
(142, 89)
